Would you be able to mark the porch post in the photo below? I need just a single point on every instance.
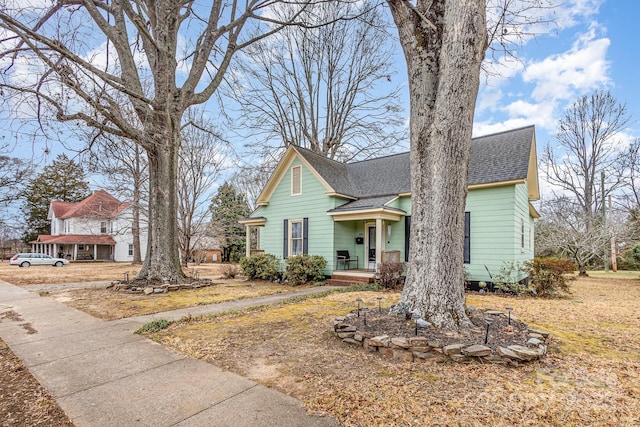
(75, 251)
(378, 242)
(95, 252)
(247, 244)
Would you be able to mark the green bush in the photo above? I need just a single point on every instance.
(261, 266)
(302, 269)
(550, 276)
(507, 280)
(391, 275)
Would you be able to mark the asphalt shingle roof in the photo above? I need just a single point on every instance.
(498, 157)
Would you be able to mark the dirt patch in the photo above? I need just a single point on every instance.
(588, 378)
(23, 401)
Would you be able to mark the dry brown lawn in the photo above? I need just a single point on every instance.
(590, 376)
(110, 305)
(85, 272)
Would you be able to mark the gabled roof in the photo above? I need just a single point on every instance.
(100, 204)
(503, 158)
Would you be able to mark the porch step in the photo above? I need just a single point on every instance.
(347, 280)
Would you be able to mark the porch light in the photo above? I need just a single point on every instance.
(509, 311)
(416, 316)
(358, 300)
(488, 321)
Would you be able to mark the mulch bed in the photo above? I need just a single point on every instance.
(501, 332)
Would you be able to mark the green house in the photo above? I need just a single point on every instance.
(358, 214)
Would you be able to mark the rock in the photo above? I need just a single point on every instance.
(339, 319)
(493, 312)
(366, 334)
(526, 353)
(476, 350)
(458, 358)
(350, 341)
(422, 355)
(434, 344)
(545, 334)
(159, 290)
(380, 341)
(173, 287)
(385, 351)
(343, 327)
(505, 352)
(400, 342)
(532, 335)
(148, 290)
(346, 334)
(534, 342)
(452, 349)
(358, 337)
(418, 341)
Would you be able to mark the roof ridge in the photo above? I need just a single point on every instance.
(503, 131)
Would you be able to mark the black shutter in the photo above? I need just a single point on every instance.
(285, 243)
(407, 235)
(305, 235)
(467, 237)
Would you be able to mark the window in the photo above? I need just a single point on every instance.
(67, 226)
(296, 238)
(130, 249)
(296, 180)
(81, 247)
(296, 233)
(103, 227)
(521, 234)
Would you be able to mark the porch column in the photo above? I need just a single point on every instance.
(379, 242)
(247, 240)
(55, 250)
(75, 251)
(95, 252)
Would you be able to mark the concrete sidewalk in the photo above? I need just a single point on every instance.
(101, 374)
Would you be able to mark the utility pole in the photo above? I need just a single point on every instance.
(614, 249)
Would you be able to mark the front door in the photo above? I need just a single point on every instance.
(371, 247)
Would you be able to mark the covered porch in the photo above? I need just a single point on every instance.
(371, 235)
(75, 247)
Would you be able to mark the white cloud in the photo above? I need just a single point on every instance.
(564, 76)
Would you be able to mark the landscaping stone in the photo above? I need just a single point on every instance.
(494, 312)
(380, 341)
(400, 342)
(402, 355)
(538, 336)
(452, 349)
(505, 352)
(351, 341)
(434, 344)
(476, 350)
(148, 290)
(545, 334)
(346, 334)
(386, 351)
(423, 355)
(534, 342)
(526, 353)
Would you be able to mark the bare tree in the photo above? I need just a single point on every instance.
(250, 180)
(444, 43)
(72, 59)
(124, 164)
(323, 87)
(199, 167)
(630, 170)
(587, 149)
(566, 229)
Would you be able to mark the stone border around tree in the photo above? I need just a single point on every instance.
(410, 349)
(149, 289)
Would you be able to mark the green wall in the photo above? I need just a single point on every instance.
(496, 215)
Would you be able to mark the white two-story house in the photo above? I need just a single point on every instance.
(96, 228)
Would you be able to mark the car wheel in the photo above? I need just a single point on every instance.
(25, 264)
(58, 264)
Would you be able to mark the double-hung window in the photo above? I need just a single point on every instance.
(296, 237)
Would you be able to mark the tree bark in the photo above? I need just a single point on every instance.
(162, 260)
(443, 62)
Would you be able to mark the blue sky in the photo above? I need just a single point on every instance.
(593, 45)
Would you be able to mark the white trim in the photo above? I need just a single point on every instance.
(290, 236)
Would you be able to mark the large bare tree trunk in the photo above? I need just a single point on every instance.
(162, 260)
(444, 44)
